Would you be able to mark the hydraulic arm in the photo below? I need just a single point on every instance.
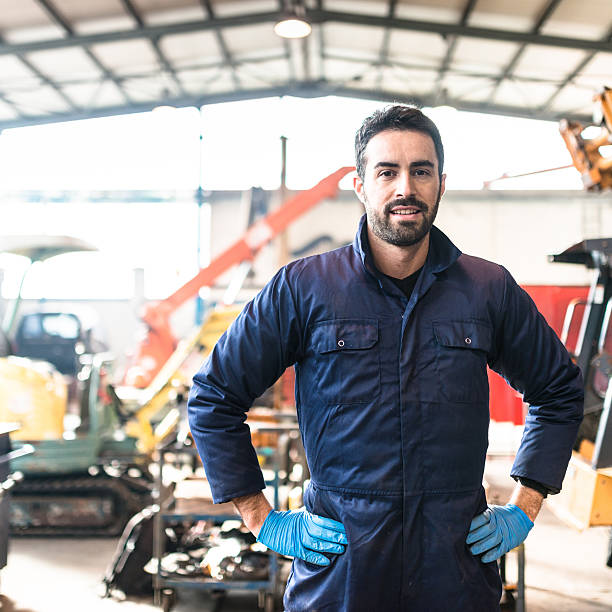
(159, 342)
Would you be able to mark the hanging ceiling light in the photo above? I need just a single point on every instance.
(293, 23)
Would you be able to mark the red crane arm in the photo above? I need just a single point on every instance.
(159, 342)
(255, 238)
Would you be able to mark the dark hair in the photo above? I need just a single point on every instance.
(396, 117)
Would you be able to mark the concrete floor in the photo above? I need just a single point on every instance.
(565, 569)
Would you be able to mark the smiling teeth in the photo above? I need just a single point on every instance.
(404, 212)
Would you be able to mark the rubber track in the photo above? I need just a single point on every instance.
(127, 503)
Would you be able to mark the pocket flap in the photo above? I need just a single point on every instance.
(464, 334)
(345, 335)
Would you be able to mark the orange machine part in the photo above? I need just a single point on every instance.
(159, 342)
(595, 170)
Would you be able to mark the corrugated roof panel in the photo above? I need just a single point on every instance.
(444, 11)
(349, 72)
(43, 100)
(191, 49)
(521, 93)
(111, 24)
(179, 15)
(15, 74)
(264, 74)
(252, 40)
(25, 35)
(547, 62)
(364, 7)
(127, 57)
(77, 10)
(512, 93)
(60, 64)
(353, 38)
(518, 15)
(574, 99)
(150, 88)
(407, 82)
(165, 11)
(22, 14)
(94, 95)
(487, 56)
(7, 111)
(352, 51)
(597, 73)
(416, 47)
(224, 82)
(199, 81)
(580, 19)
(468, 88)
(228, 8)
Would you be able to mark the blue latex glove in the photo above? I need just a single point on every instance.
(498, 530)
(300, 534)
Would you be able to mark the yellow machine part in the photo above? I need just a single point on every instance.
(586, 497)
(34, 395)
(175, 374)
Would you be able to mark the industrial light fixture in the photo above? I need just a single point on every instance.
(293, 22)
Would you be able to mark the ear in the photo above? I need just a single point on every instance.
(442, 184)
(358, 188)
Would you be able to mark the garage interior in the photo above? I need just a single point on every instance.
(160, 160)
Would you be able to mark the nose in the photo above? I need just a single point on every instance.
(404, 185)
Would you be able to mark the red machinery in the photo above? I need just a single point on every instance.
(553, 302)
(159, 342)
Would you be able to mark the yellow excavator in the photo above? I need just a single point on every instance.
(94, 442)
(89, 472)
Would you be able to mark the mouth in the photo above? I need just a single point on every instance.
(406, 212)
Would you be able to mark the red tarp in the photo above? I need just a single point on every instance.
(552, 301)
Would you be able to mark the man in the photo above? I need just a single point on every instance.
(390, 338)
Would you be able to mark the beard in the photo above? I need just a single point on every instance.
(406, 232)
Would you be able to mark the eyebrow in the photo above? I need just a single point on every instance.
(422, 162)
(415, 164)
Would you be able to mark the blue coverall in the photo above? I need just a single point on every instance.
(393, 405)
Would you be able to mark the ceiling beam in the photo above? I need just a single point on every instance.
(572, 75)
(548, 10)
(132, 11)
(384, 48)
(450, 29)
(316, 16)
(313, 89)
(60, 20)
(225, 52)
(46, 80)
(321, 43)
(452, 44)
(289, 56)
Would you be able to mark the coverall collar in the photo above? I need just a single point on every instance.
(441, 255)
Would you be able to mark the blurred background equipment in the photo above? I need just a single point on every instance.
(159, 342)
(595, 169)
(86, 477)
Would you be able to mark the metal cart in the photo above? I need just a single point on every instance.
(165, 587)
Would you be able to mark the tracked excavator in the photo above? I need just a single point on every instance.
(93, 441)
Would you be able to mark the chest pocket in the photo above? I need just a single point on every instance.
(461, 359)
(346, 358)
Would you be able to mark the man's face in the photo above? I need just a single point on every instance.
(401, 188)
